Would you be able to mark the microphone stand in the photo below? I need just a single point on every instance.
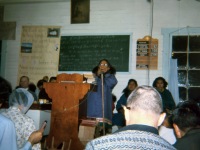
(102, 93)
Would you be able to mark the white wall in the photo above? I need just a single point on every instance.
(106, 16)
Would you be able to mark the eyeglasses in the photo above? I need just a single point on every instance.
(106, 65)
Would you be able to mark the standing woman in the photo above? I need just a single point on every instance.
(94, 99)
(168, 102)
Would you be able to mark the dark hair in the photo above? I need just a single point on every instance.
(187, 115)
(126, 91)
(111, 71)
(114, 98)
(5, 89)
(160, 78)
(52, 78)
(32, 87)
(169, 117)
(95, 69)
(40, 82)
(46, 78)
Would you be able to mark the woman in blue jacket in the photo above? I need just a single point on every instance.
(132, 84)
(118, 118)
(104, 70)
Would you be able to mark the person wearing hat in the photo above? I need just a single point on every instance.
(7, 132)
(20, 101)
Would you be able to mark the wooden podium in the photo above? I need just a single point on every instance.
(65, 94)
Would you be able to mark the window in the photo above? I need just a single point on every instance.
(186, 49)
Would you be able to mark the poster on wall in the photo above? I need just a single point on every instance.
(147, 53)
(39, 52)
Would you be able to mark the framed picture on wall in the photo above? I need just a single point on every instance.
(80, 11)
(55, 32)
(26, 47)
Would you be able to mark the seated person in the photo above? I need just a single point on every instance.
(186, 122)
(32, 87)
(118, 118)
(39, 87)
(143, 114)
(7, 132)
(166, 130)
(132, 84)
(46, 78)
(20, 101)
(116, 124)
(40, 84)
(161, 86)
(5, 90)
(52, 79)
(32, 90)
(25, 83)
(42, 93)
(8, 136)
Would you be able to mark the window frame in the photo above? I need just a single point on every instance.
(168, 33)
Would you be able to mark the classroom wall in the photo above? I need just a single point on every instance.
(109, 17)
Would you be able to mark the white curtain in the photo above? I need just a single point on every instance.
(173, 80)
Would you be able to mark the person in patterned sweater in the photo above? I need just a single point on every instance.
(20, 101)
(143, 115)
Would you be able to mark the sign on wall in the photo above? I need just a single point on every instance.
(147, 53)
(39, 52)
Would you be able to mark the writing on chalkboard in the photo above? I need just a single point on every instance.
(82, 53)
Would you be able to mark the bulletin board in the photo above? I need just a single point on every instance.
(39, 52)
(147, 53)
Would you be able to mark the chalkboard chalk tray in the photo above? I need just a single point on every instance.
(82, 53)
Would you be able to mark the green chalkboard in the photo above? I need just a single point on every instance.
(82, 53)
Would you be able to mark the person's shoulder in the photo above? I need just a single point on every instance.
(107, 141)
(28, 119)
(113, 137)
(133, 138)
(167, 91)
(107, 137)
(121, 100)
(164, 143)
(118, 115)
(123, 96)
(5, 121)
(8, 113)
(191, 136)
